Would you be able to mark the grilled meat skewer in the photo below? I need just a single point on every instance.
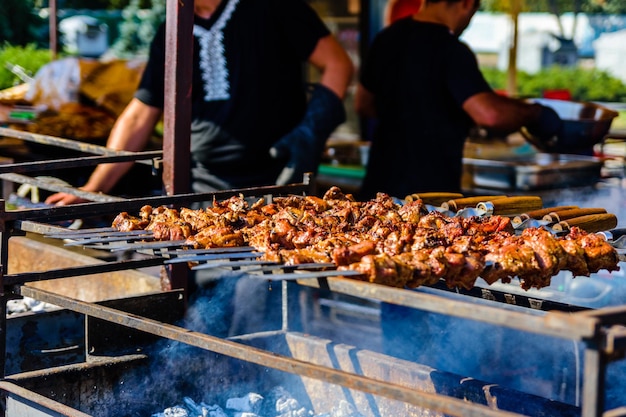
(388, 243)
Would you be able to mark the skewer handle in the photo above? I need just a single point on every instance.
(557, 216)
(515, 205)
(461, 203)
(539, 214)
(590, 223)
(433, 198)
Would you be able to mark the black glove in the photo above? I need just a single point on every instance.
(302, 148)
(547, 129)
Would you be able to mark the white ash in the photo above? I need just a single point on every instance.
(192, 409)
(175, 412)
(278, 403)
(250, 404)
(25, 304)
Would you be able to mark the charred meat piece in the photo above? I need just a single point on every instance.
(599, 254)
(217, 237)
(388, 243)
(347, 254)
(124, 222)
(509, 257)
(382, 269)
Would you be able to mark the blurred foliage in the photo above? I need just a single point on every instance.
(18, 22)
(138, 28)
(604, 6)
(558, 6)
(584, 84)
(92, 4)
(28, 57)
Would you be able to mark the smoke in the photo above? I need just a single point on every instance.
(235, 304)
(607, 195)
(513, 359)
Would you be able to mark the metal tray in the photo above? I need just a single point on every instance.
(534, 172)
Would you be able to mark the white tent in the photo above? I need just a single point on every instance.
(611, 53)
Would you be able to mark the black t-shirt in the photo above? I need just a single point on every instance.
(248, 87)
(420, 75)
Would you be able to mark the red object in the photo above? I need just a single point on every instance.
(402, 8)
(557, 94)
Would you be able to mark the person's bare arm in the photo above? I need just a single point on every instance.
(334, 63)
(364, 102)
(493, 111)
(131, 132)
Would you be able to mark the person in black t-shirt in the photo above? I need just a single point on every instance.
(254, 122)
(399, 9)
(251, 124)
(425, 91)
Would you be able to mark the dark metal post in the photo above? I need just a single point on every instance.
(594, 377)
(53, 26)
(4, 296)
(177, 108)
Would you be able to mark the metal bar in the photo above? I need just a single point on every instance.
(110, 239)
(50, 229)
(83, 161)
(303, 275)
(4, 254)
(229, 264)
(594, 376)
(194, 252)
(52, 29)
(22, 278)
(436, 402)
(77, 211)
(96, 233)
(522, 300)
(177, 110)
(177, 105)
(39, 399)
(617, 412)
(578, 327)
(69, 143)
(48, 185)
(4, 298)
(150, 245)
(615, 340)
(292, 267)
(214, 256)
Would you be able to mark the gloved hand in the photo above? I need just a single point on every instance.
(302, 148)
(547, 128)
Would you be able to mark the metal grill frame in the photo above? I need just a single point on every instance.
(602, 331)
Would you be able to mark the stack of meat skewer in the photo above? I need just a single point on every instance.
(401, 245)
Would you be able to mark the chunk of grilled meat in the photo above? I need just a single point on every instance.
(599, 254)
(390, 244)
(125, 222)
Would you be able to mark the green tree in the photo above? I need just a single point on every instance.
(17, 22)
(584, 84)
(604, 6)
(29, 58)
(138, 28)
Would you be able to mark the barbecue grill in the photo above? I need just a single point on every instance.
(112, 363)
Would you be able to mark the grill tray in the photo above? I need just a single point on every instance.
(535, 172)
